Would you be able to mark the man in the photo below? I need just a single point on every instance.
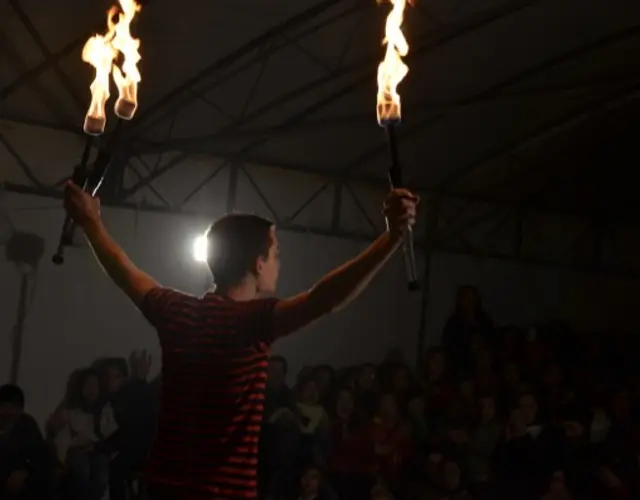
(132, 404)
(25, 464)
(215, 348)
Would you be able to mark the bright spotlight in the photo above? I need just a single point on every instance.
(200, 248)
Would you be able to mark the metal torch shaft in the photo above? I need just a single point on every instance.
(395, 179)
(89, 181)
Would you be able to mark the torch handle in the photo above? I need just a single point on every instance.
(90, 181)
(395, 179)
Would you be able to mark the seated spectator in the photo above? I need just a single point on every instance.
(468, 318)
(313, 486)
(401, 381)
(280, 434)
(484, 439)
(366, 389)
(391, 439)
(132, 404)
(278, 396)
(348, 450)
(86, 420)
(435, 381)
(417, 418)
(313, 422)
(325, 379)
(452, 483)
(25, 462)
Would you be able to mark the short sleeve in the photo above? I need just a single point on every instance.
(160, 305)
(256, 320)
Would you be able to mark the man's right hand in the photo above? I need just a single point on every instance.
(80, 205)
(400, 210)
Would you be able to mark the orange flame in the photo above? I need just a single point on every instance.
(128, 78)
(101, 52)
(392, 69)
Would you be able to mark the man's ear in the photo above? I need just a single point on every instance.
(259, 265)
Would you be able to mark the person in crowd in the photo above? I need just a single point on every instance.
(215, 348)
(313, 421)
(85, 420)
(26, 464)
(467, 319)
(348, 460)
(366, 389)
(280, 433)
(435, 380)
(484, 439)
(391, 440)
(313, 485)
(325, 378)
(133, 404)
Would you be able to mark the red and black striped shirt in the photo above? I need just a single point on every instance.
(214, 371)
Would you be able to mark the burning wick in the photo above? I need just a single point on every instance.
(101, 52)
(392, 69)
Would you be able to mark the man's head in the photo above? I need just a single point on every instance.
(277, 374)
(242, 247)
(115, 372)
(11, 406)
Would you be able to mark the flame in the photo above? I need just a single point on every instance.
(128, 78)
(101, 52)
(392, 69)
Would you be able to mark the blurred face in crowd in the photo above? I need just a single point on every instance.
(323, 378)
(115, 379)
(450, 475)
(309, 394)
(10, 413)
(91, 389)
(466, 389)
(528, 406)
(483, 361)
(468, 301)
(620, 405)
(417, 406)
(366, 378)
(487, 409)
(511, 375)
(388, 409)
(310, 482)
(436, 365)
(277, 374)
(554, 376)
(344, 404)
(401, 379)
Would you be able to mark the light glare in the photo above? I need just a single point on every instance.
(200, 248)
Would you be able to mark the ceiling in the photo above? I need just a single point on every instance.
(531, 102)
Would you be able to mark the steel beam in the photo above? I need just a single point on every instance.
(57, 193)
(492, 92)
(49, 56)
(366, 69)
(221, 64)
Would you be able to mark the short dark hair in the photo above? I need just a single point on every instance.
(12, 394)
(235, 242)
(281, 361)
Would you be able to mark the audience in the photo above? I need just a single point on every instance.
(495, 413)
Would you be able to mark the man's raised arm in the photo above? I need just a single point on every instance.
(85, 211)
(335, 290)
